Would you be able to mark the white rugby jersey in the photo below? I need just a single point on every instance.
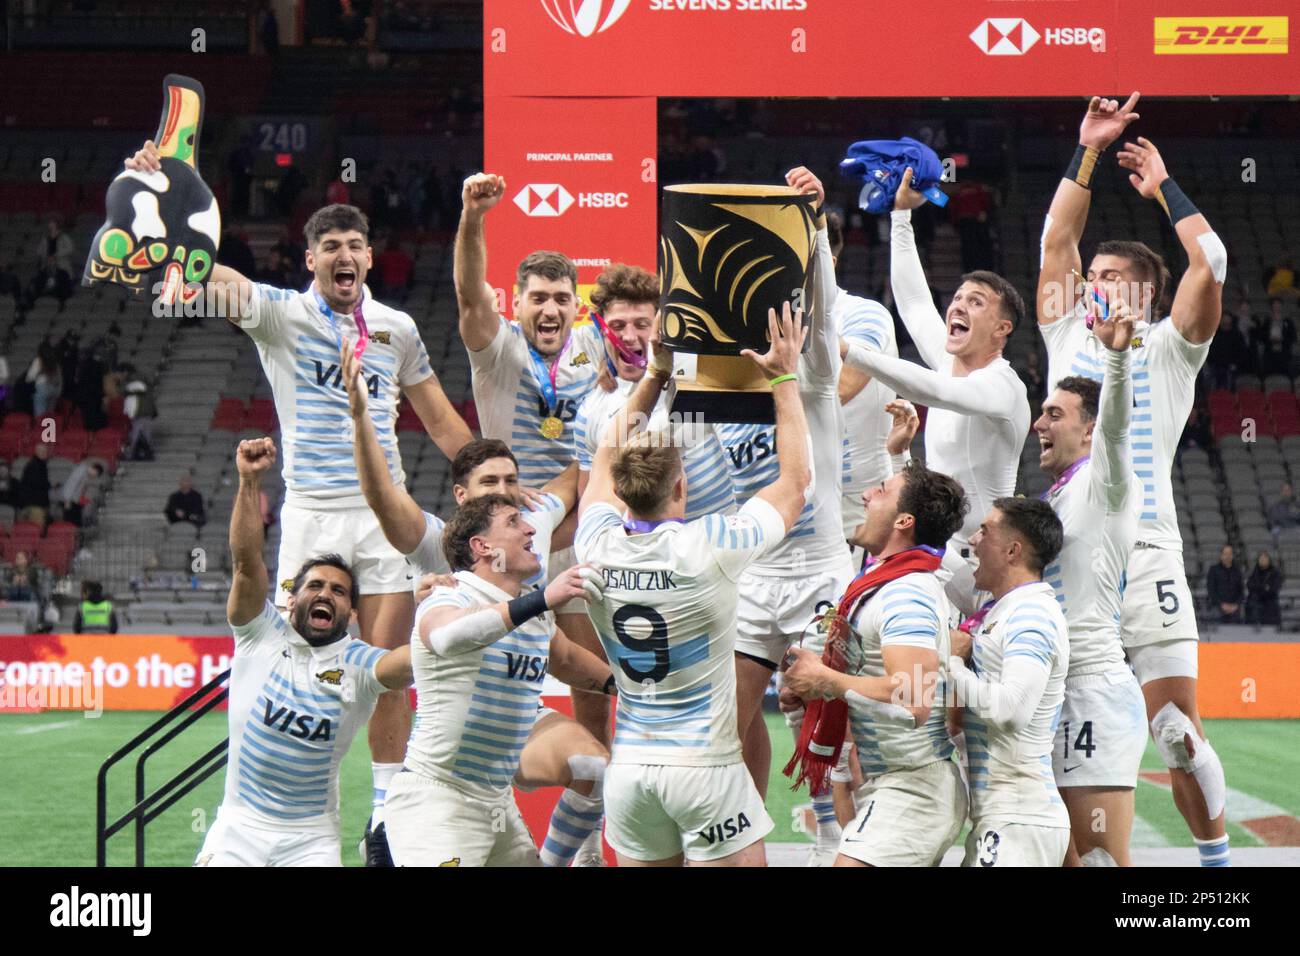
(816, 542)
(510, 403)
(1164, 370)
(1098, 506)
(911, 611)
(475, 710)
(293, 712)
(1011, 773)
(428, 556)
(298, 345)
(708, 477)
(866, 423)
(668, 627)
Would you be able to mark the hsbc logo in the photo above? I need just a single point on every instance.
(585, 18)
(1014, 36)
(544, 199)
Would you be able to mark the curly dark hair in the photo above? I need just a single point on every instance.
(1035, 521)
(629, 283)
(335, 218)
(472, 518)
(935, 500)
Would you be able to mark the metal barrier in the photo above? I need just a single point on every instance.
(148, 806)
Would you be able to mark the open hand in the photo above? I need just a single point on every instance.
(786, 336)
(1106, 121)
(1147, 167)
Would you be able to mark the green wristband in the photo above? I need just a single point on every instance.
(788, 377)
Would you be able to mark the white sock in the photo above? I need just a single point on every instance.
(382, 775)
(1214, 852)
(572, 822)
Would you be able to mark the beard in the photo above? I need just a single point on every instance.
(313, 635)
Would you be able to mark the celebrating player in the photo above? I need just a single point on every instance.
(676, 786)
(299, 692)
(1084, 436)
(1159, 620)
(1013, 697)
(559, 751)
(479, 653)
(792, 584)
(979, 414)
(298, 335)
(890, 634)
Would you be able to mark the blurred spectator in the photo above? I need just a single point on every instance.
(290, 187)
(8, 486)
(54, 270)
(1229, 354)
(1279, 279)
(1031, 373)
(1274, 340)
(140, 408)
(22, 580)
(240, 166)
(10, 284)
(268, 29)
(1263, 589)
(971, 210)
(95, 614)
(34, 486)
(1285, 512)
(234, 252)
(185, 504)
(46, 379)
(337, 193)
(78, 492)
(395, 271)
(1226, 589)
(68, 350)
(89, 394)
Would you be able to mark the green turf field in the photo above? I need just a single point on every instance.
(47, 804)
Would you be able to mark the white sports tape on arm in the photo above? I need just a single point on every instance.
(468, 633)
(1042, 240)
(1008, 705)
(1215, 254)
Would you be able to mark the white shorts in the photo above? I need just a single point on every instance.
(994, 843)
(1176, 658)
(907, 817)
(1157, 602)
(958, 576)
(240, 839)
(772, 612)
(657, 812)
(353, 534)
(1102, 732)
(431, 823)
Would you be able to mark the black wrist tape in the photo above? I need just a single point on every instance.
(1081, 166)
(1175, 202)
(527, 606)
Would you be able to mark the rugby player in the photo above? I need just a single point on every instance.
(677, 788)
(298, 335)
(480, 652)
(894, 624)
(1013, 692)
(559, 751)
(1084, 436)
(978, 412)
(299, 691)
(1159, 618)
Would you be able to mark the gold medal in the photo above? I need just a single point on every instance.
(552, 427)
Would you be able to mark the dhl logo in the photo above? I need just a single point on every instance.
(1193, 35)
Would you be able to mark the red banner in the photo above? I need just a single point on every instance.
(859, 48)
(94, 672)
(580, 179)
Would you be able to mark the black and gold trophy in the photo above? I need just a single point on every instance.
(727, 254)
(162, 225)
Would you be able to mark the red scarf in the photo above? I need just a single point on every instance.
(825, 722)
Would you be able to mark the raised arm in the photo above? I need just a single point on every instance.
(822, 360)
(1103, 123)
(248, 589)
(479, 319)
(399, 516)
(971, 395)
(793, 445)
(1198, 303)
(571, 663)
(1112, 457)
(230, 293)
(907, 279)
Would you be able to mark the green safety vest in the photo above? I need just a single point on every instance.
(95, 617)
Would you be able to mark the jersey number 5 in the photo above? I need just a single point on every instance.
(1165, 592)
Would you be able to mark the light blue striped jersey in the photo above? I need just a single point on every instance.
(668, 627)
(1164, 366)
(911, 611)
(475, 709)
(866, 423)
(293, 712)
(299, 349)
(545, 517)
(1011, 772)
(510, 403)
(708, 478)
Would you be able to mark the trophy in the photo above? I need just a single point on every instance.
(727, 254)
(166, 223)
